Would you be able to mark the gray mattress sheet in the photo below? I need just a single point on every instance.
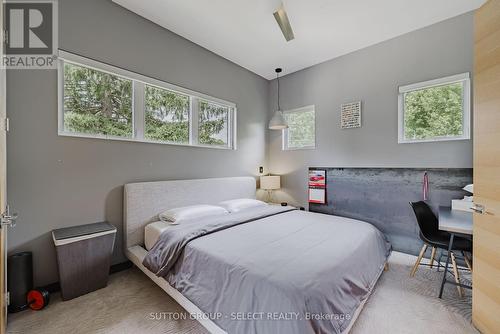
(272, 270)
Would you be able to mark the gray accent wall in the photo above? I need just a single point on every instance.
(373, 76)
(57, 181)
(381, 197)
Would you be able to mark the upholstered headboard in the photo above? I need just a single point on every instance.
(143, 202)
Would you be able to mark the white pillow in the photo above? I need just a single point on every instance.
(190, 212)
(236, 205)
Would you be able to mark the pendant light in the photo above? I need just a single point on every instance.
(278, 121)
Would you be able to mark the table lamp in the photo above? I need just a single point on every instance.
(270, 183)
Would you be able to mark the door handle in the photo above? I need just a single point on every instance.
(479, 208)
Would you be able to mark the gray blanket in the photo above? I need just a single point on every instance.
(273, 270)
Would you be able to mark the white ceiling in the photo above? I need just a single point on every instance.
(245, 32)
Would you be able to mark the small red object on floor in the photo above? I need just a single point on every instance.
(38, 298)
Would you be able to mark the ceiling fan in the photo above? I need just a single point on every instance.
(284, 23)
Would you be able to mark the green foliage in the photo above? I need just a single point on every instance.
(434, 112)
(301, 129)
(96, 102)
(167, 115)
(95, 124)
(100, 103)
(213, 124)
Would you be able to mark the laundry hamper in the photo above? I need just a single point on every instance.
(83, 257)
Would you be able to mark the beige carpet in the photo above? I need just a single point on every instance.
(399, 304)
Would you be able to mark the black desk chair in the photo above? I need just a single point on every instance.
(432, 236)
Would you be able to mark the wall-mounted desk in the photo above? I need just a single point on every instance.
(456, 223)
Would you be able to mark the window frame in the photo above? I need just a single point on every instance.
(143, 116)
(139, 83)
(463, 78)
(284, 145)
(230, 118)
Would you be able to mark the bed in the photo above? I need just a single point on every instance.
(267, 270)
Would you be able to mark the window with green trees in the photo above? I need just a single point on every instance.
(167, 115)
(102, 101)
(436, 112)
(96, 103)
(213, 121)
(301, 131)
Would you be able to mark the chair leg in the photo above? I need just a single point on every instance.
(433, 255)
(467, 260)
(455, 273)
(439, 259)
(417, 263)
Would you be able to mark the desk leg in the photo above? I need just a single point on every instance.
(446, 265)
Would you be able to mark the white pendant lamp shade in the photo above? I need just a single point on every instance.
(278, 122)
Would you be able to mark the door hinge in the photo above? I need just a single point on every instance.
(6, 124)
(7, 218)
(7, 298)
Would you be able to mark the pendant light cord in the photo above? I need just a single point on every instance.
(278, 78)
